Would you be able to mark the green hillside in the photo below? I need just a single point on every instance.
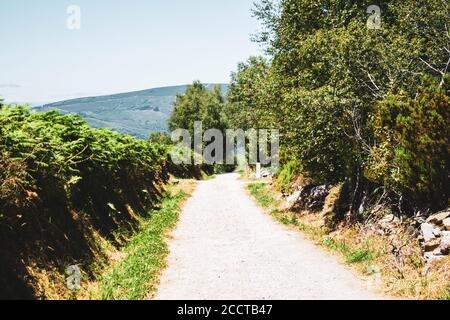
(136, 113)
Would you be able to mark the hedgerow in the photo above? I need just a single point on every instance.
(62, 181)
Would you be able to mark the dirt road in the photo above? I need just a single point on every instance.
(226, 247)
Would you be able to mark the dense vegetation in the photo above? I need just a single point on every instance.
(198, 104)
(61, 183)
(369, 107)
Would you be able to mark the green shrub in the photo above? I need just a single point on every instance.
(411, 157)
(61, 181)
(160, 138)
(287, 174)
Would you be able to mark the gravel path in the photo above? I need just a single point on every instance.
(226, 247)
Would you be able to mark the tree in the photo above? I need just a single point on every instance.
(250, 99)
(198, 104)
(160, 138)
(327, 72)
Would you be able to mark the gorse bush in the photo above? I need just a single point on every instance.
(287, 174)
(412, 154)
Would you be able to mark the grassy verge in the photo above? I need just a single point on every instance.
(136, 275)
(369, 253)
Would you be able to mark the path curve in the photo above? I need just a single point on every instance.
(226, 247)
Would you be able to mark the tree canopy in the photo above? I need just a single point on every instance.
(327, 75)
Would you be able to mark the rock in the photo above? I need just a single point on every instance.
(444, 247)
(439, 217)
(427, 231)
(317, 196)
(413, 232)
(308, 196)
(291, 201)
(293, 197)
(418, 219)
(446, 223)
(265, 174)
(437, 231)
(430, 257)
(389, 221)
(431, 245)
(319, 192)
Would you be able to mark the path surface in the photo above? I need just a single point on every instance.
(226, 247)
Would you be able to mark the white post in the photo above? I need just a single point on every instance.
(258, 171)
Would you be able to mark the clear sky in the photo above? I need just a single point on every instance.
(123, 45)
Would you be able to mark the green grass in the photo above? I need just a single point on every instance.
(207, 177)
(258, 190)
(335, 245)
(359, 255)
(136, 276)
(446, 295)
(352, 255)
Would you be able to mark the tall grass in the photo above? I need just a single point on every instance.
(136, 277)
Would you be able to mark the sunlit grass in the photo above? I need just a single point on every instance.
(137, 275)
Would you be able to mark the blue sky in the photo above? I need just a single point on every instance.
(123, 45)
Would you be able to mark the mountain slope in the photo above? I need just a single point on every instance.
(136, 113)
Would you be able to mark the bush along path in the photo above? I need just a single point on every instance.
(69, 196)
(226, 247)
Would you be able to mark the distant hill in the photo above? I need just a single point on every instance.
(136, 113)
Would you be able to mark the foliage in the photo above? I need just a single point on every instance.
(287, 174)
(160, 138)
(412, 157)
(198, 104)
(249, 99)
(323, 81)
(61, 182)
(54, 147)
